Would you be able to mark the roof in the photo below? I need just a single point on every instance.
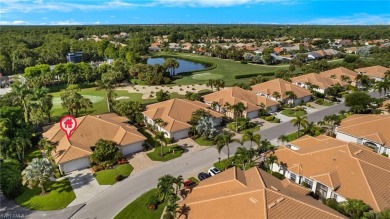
(372, 127)
(88, 131)
(235, 95)
(316, 79)
(338, 72)
(252, 194)
(352, 170)
(280, 86)
(177, 112)
(376, 71)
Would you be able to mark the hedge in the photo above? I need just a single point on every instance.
(269, 118)
(11, 179)
(254, 75)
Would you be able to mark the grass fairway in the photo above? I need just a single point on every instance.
(226, 69)
(108, 177)
(59, 196)
(139, 209)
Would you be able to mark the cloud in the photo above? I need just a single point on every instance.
(14, 23)
(355, 19)
(213, 3)
(66, 22)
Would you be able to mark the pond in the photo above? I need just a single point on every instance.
(184, 65)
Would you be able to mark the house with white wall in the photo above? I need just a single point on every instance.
(341, 75)
(231, 96)
(280, 86)
(176, 113)
(376, 72)
(323, 83)
(370, 130)
(73, 153)
(332, 168)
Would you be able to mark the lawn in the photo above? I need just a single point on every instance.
(225, 70)
(232, 126)
(294, 135)
(223, 164)
(139, 209)
(324, 102)
(202, 141)
(58, 196)
(32, 153)
(167, 153)
(293, 113)
(108, 177)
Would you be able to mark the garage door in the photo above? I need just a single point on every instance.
(76, 165)
(132, 148)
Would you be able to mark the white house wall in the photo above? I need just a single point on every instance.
(345, 137)
(253, 114)
(272, 109)
(73, 165)
(132, 148)
(180, 134)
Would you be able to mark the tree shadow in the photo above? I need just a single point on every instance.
(80, 179)
(183, 211)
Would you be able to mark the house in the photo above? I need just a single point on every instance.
(370, 130)
(74, 57)
(254, 193)
(322, 82)
(331, 52)
(235, 95)
(351, 50)
(376, 72)
(174, 46)
(176, 113)
(384, 107)
(279, 86)
(314, 56)
(332, 168)
(341, 75)
(73, 154)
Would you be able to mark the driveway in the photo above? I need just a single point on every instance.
(84, 185)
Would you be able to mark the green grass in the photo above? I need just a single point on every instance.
(232, 126)
(202, 141)
(32, 153)
(58, 196)
(324, 102)
(292, 113)
(294, 135)
(225, 70)
(167, 153)
(224, 164)
(139, 209)
(193, 179)
(107, 177)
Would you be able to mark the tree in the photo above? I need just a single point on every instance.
(20, 143)
(193, 96)
(160, 137)
(299, 121)
(241, 156)
(311, 129)
(23, 96)
(270, 160)
(332, 121)
(223, 140)
(355, 208)
(210, 83)
(47, 146)
(291, 96)
(11, 180)
(131, 109)
(238, 110)
(73, 101)
(363, 79)
(382, 86)
(42, 101)
(358, 101)
(179, 181)
(250, 136)
(162, 95)
(283, 138)
(105, 151)
(37, 173)
(107, 83)
(197, 115)
(276, 95)
(219, 83)
(165, 187)
(205, 127)
(171, 65)
(385, 214)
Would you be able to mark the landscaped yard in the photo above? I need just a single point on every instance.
(324, 102)
(108, 177)
(202, 141)
(149, 137)
(232, 126)
(58, 196)
(293, 113)
(225, 70)
(139, 208)
(169, 153)
(224, 164)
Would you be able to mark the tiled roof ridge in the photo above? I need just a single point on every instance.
(123, 136)
(367, 183)
(178, 121)
(328, 175)
(227, 196)
(304, 203)
(238, 180)
(379, 135)
(260, 177)
(317, 151)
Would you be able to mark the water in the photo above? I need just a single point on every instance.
(184, 65)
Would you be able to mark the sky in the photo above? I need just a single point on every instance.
(102, 12)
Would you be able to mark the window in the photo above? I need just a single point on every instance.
(309, 183)
(293, 177)
(334, 195)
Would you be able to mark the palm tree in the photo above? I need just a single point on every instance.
(210, 83)
(291, 96)
(171, 65)
(223, 140)
(165, 187)
(107, 84)
(241, 156)
(387, 74)
(332, 121)
(215, 105)
(382, 86)
(226, 107)
(311, 129)
(271, 159)
(160, 137)
(250, 136)
(179, 181)
(219, 83)
(23, 96)
(238, 109)
(276, 95)
(20, 144)
(283, 138)
(47, 146)
(37, 173)
(299, 121)
(363, 79)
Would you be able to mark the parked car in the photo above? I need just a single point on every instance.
(203, 176)
(189, 184)
(213, 171)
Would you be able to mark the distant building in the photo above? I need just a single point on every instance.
(74, 57)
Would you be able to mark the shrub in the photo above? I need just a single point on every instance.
(276, 120)
(118, 177)
(253, 75)
(278, 175)
(11, 179)
(244, 62)
(168, 215)
(153, 200)
(269, 118)
(97, 168)
(332, 203)
(319, 101)
(193, 89)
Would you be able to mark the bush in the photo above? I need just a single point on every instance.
(332, 203)
(244, 62)
(153, 200)
(118, 177)
(122, 160)
(97, 168)
(11, 179)
(278, 175)
(269, 118)
(319, 101)
(168, 215)
(276, 120)
(253, 75)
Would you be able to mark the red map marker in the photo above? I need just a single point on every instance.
(68, 124)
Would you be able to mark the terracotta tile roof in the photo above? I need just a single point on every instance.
(252, 194)
(317, 79)
(280, 86)
(176, 112)
(337, 72)
(89, 130)
(374, 71)
(354, 171)
(235, 95)
(375, 128)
